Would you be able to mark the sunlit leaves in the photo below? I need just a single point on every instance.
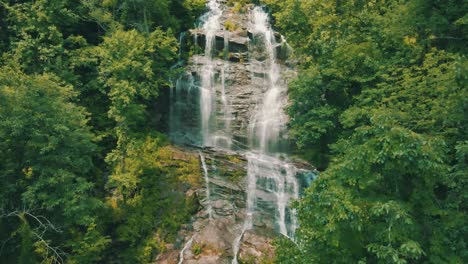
(133, 67)
(47, 150)
(149, 182)
(387, 98)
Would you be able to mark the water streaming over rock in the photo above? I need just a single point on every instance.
(238, 89)
(186, 246)
(209, 208)
(266, 171)
(269, 120)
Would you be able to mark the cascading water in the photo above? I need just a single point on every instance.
(266, 171)
(271, 181)
(269, 119)
(210, 27)
(269, 122)
(186, 246)
(207, 186)
(252, 171)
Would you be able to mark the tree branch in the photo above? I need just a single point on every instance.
(43, 225)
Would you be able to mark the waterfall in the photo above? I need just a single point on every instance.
(266, 126)
(207, 186)
(186, 246)
(207, 94)
(269, 119)
(252, 170)
(240, 105)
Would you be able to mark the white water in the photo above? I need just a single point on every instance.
(271, 178)
(209, 208)
(269, 119)
(207, 94)
(187, 245)
(268, 123)
(252, 170)
(265, 168)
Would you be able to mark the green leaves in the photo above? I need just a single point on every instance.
(383, 101)
(133, 68)
(150, 182)
(47, 150)
(79, 85)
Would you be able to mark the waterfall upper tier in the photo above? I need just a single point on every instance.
(231, 82)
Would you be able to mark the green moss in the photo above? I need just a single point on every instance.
(236, 176)
(233, 175)
(197, 249)
(231, 26)
(247, 260)
(238, 5)
(234, 159)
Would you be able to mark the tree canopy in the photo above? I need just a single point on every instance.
(380, 106)
(79, 87)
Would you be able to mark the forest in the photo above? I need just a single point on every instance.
(379, 105)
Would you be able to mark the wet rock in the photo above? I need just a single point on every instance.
(208, 259)
(238, 44)
(223, 208)
(168, 257)
(241, 75)
(256, 248)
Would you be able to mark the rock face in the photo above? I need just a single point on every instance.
(220, 108)
(211, 239)
(239, 81)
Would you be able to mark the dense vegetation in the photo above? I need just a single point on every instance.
(85, 179)
(380, 105)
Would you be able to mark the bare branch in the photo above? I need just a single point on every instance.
(56, 251)
(43, 225)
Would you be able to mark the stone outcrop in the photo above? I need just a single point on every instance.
(240, 81)
(239, 66)
(213, 238)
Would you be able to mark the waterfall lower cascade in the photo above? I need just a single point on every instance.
(186, 246)
(207, 185)
(231, 102)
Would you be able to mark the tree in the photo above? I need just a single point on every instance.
(383, 99)
(152, 184)
(47, 150)
(133, 68)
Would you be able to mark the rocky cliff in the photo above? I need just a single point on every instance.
(227, 110)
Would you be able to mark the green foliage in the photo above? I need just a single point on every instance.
(133, 68)
(380, 106)
(27, 254)
(195, 8)
(230, 26)
(146, 16)
(240, 2)
(197, 249)
(238, 6)
(79, 82)
(145, 184)
(47, 153)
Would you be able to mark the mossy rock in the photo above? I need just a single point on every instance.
(230, 26)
